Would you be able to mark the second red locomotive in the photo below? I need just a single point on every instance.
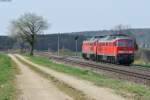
(116, 48)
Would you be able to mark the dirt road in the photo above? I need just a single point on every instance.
(35, 87)
(86, 87)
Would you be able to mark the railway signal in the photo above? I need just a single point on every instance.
(76, 39)
(58, 43)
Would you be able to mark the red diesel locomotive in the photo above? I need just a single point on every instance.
(116, 48)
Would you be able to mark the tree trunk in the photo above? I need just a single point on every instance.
(32, 45)
(32, 50)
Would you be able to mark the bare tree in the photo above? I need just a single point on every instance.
(27, 27)
(120, 29)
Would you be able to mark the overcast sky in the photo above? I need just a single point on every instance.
(79, 15)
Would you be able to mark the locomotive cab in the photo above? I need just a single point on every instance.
(125, 50)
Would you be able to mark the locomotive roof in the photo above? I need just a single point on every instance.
(110, 37)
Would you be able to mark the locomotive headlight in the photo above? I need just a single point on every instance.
(130, 51)
(123, 51)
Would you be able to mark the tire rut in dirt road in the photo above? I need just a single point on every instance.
(35, 87)
(86, 87)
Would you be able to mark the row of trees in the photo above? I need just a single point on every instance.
(26, 28)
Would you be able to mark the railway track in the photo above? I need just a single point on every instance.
(138, 75)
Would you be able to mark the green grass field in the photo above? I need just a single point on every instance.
(127, 89)
(7, 88)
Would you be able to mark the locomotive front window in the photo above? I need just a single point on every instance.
(127, 43)
(121, 43)
(130, 43)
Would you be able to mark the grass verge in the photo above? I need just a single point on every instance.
(142, 63)
(7, 78)
(127, 89)
(72, 92)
